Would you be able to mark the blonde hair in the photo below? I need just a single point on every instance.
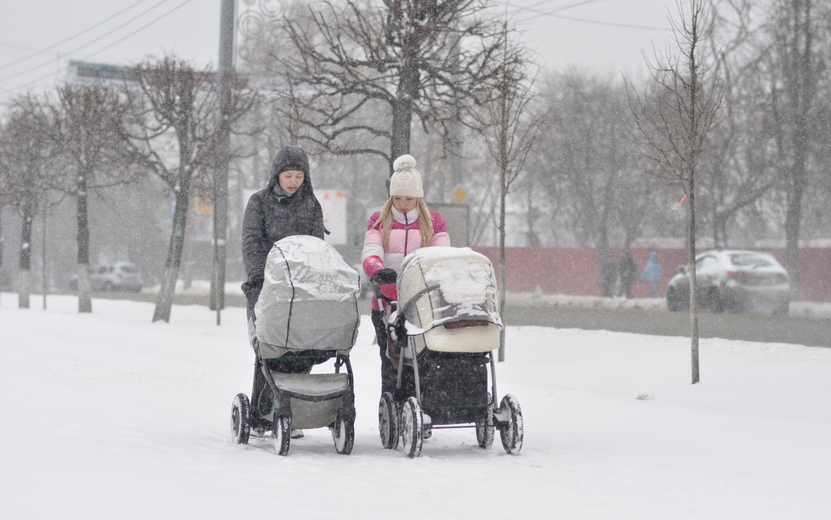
(425, 222)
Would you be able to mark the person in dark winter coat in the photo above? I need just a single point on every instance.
(628, 273)
(286, 207)
(608, 273)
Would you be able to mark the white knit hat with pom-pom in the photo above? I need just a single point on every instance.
(405, 181)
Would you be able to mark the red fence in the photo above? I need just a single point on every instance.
(576, 271)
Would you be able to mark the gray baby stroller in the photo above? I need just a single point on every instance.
(441, 335)
(307, 314)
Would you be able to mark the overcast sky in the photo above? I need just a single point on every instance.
(39, 37)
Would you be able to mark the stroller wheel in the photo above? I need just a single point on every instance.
(240, 419)
(484, 428)
(388, 421)
(412, 426)
(343, 433)
(513, 430)
(281, 433)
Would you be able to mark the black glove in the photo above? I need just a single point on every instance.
(252, 287)
(385, 276)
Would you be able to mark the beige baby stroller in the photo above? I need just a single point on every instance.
(307, 314)
(442, 333)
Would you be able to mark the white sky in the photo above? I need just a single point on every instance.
(109, 416)
(39, 37)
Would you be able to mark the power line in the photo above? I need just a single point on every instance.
(611, 24)
(128, 22)
(41, 51)
(110, 45)
(553, 14)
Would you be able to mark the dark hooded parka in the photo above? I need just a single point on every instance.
(272, 214)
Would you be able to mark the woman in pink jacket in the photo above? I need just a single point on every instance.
(403, 225)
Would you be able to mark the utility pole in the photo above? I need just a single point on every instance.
(226, 76)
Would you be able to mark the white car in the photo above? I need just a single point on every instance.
(733, 280)
(118, 276)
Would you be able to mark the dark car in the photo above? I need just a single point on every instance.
(735, 281)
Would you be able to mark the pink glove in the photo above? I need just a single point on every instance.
(389, 291)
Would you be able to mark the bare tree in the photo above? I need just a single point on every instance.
(29, 157)
(675, 120)
(173, 134)
(795, 66)
(358, 74)
(87, 124)
(591, 166)
(740, 168)
(509, 128)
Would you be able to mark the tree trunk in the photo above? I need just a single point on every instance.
(164, 300)
(793, 215)
(801, 78)
(401, 120)
(720, 228)
(402, 110)
(691, 252)
(25, 289)
(84, 289)
(502, 261)
(2, 242)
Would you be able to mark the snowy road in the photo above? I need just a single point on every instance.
(746, 327)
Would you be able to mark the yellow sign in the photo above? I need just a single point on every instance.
(205, 199)
(459, 194)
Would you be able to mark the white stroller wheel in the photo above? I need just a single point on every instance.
(343, 433)
(412, 427)
(240, 419)
(281, 434)
(388, 421)
(513, 431)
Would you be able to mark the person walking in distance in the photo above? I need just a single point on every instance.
(628, 273)
(652, 273)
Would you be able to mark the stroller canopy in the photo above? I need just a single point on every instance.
(309, 299)
(442, 285)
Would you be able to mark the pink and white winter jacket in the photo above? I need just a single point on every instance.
(405, 237)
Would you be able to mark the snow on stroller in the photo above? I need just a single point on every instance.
(441, 335)
(307, 314)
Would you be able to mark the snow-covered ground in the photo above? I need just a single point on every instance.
(107, 415)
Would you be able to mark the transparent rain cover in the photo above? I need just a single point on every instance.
(441, 285)
(309, 299)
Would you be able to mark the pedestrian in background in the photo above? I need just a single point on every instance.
(653, 274)
(628, 273)
(608, 273)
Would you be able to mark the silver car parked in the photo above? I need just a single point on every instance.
(735, 281)
(118, 276)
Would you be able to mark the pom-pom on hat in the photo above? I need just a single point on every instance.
(405, 180)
